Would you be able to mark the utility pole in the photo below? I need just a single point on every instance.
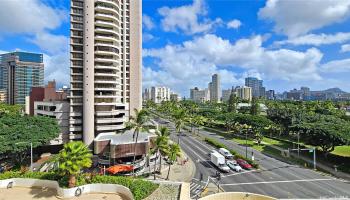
(246, 144)
(31, 156)
(298, 144)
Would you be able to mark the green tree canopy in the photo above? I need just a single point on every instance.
(17, 132)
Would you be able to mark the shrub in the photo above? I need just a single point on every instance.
(214, 143)
(139, 188)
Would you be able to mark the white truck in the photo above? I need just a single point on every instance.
(219, 161)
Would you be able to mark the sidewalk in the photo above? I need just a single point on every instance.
(178, 172)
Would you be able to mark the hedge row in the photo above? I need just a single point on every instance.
(233, 152)
(139, 188)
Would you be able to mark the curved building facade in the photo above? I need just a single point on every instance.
(105, 66)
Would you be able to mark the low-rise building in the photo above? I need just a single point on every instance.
(46, 101)
(58, 110)
(114, 148)
(175, 97)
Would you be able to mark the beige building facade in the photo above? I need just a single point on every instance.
(105, 66)
(244, 93)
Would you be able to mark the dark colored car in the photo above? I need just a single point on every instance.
(244, 164)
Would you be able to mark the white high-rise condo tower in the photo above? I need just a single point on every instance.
(105, 66)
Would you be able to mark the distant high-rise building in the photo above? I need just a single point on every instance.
(200, 96)
(106, 46)
(244, 93)
(295, 95)
(257, 86)
(306, 93)
(160, 94)
(146, 95)
(226, 94)
(19, 72)
(270, 94)
(215, 88)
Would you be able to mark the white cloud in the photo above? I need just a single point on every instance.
(235, 24)
(345, 48)
(317, 39)
(193, 62)
(33, 20)
(294, 18)
(146, 37)
(29, 16)
(57, 67)
(147, 22)
(187, 19)
(51, 43)
(336, 66)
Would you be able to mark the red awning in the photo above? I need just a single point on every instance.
(119, 168)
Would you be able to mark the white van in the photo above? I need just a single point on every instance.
(225, 153)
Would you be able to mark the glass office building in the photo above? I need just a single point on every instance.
(19, 72)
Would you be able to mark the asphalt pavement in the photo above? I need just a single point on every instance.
(274, 178)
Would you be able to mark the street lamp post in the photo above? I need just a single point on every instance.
(246, 144)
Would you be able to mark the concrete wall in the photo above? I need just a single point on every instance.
(70, 192)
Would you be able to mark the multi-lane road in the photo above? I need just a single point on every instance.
(274, 178)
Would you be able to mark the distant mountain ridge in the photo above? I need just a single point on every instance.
(334, 90)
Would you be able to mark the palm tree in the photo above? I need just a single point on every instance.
(137, 122)
(72, 158)
(160, 146)
(179, 116)
(163, 136)
(173, 153)
(199, 121)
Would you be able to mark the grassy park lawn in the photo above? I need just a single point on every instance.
(339, 150)
(342, 151)
(250, 143)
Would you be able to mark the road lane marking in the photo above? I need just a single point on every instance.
(194, 139)
(204, 160)
(200, 157)
(197, 147)
(235, 174)
(271, 182)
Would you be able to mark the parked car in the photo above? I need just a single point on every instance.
(234, 166)
(244, 164)
(226, 153)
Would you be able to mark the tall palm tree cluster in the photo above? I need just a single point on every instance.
(161, 145)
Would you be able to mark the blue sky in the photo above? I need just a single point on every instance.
(287, 43)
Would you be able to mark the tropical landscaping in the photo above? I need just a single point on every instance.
(71, 164)
(285, 124)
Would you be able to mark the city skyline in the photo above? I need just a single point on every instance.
(273, 46)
